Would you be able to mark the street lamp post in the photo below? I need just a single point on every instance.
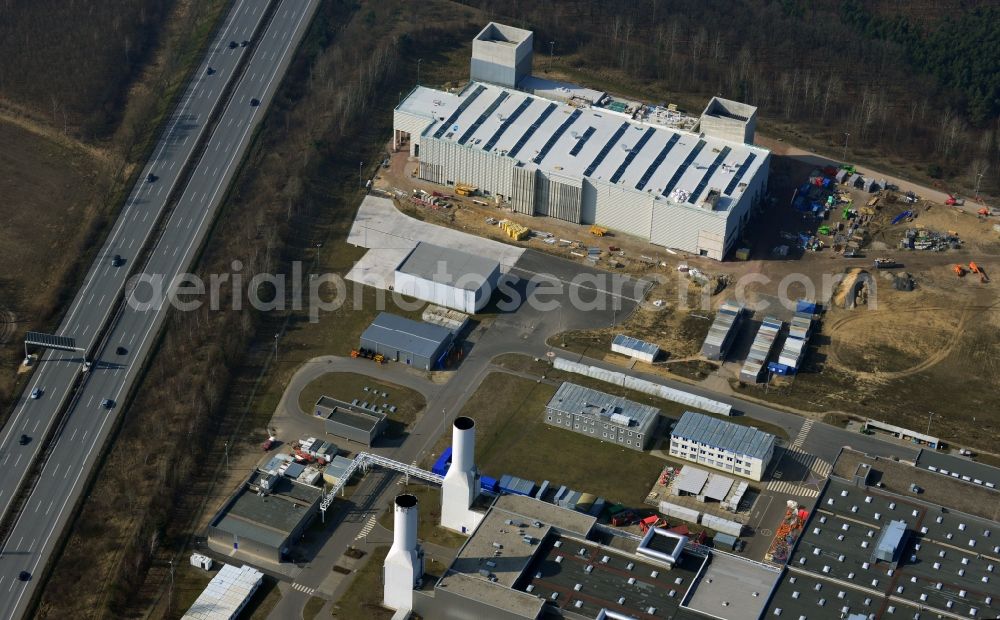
(978, 181)
(930, 416)
(276, 347)
(847, 136)
(361, 180)
(419, 60)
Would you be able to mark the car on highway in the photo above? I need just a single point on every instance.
(233, 45)
(244, 43)
(36, 393)
(121, 350)
(150, 178)
(254, 103)
(25, 440)
(117, 260)
(86, 365)
(107, 403)
(210, 71)
(24, 576)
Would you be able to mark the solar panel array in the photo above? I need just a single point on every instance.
(581, 141)
(708, 174)
(606, 149)
(458, 111)
(506, 124)
(740, 172)
(482, 117)
(549, 109)
(641, 185)
(556, 135)
(683, 167)
(632, 154)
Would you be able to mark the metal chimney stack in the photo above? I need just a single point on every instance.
(461, 484)
(404, 564)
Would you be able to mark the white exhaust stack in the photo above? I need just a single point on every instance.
(461, 484)
(404, 564)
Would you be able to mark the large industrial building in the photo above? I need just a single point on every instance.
(742, 450)
(602, 416)
(578, 155)
(893, 541)
(448, 277)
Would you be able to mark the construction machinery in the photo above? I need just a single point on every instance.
(954, 201)
(598, 231)
(984, 212)
(885, 263)
(651, 521)
(463, 189)
(974, 268)
(959, 270)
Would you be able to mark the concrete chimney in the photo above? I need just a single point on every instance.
(461, 484)
(404, 564)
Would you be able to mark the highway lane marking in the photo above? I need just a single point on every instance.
(254, 76)
(190, 221)
(85, 433)
(159, 191)
(56, 471)
(90, 401)
(75, 431)
(67, 473)
(172, 164)
(39, 506)
(35, 428)
(5, 459)
(91, 300)
(175, 250)
(86, 328)
(131, 243)
(18, 460)
(144, 216)
(216, 173)
(101, 303)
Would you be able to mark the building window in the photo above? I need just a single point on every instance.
(550, 418)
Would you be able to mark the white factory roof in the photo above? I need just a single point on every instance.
(448, 266)
(594, 142)
(226, 594)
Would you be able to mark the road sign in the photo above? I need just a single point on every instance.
(50, 341)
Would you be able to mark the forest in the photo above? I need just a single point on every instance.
(914, 81)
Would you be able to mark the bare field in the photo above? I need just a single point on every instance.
(51, 203)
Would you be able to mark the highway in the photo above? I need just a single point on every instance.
(98, 297)
(88, 423)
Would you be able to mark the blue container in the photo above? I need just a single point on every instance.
(488, 484)
(807, 306)
(780, 369)
(441, 465)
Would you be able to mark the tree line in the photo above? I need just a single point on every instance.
(907, 88)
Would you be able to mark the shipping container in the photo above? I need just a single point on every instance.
(760, 350)
(722, 525)
(723, 331)
(679, 512)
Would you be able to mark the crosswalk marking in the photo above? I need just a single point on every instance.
(369, 526)
(305, 589)
(803, 433)
(818, 469)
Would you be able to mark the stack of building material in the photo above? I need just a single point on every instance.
(723, 330)
(763, 344)
(795, 347)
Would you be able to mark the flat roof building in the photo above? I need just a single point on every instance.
(264, 518)
(531, 559)
(742, 450)
(350, 422)
(602, 416)
(588, 162)
(226, 594)
(447, 277)
(875, 547)
(399, 339)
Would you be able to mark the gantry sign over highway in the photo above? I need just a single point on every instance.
(50, 341)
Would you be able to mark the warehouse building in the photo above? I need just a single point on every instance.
(265, 517)
(361, 424)
(414, 343)
(891, 540)
(741, 450)
(602, 416)
(447, 277)
(635, 348)
(606, 163)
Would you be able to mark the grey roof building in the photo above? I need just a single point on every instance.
(743, 450)
(362, 425)
(602, 416)
(447, 277)
(403, 340)
(264, 523)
